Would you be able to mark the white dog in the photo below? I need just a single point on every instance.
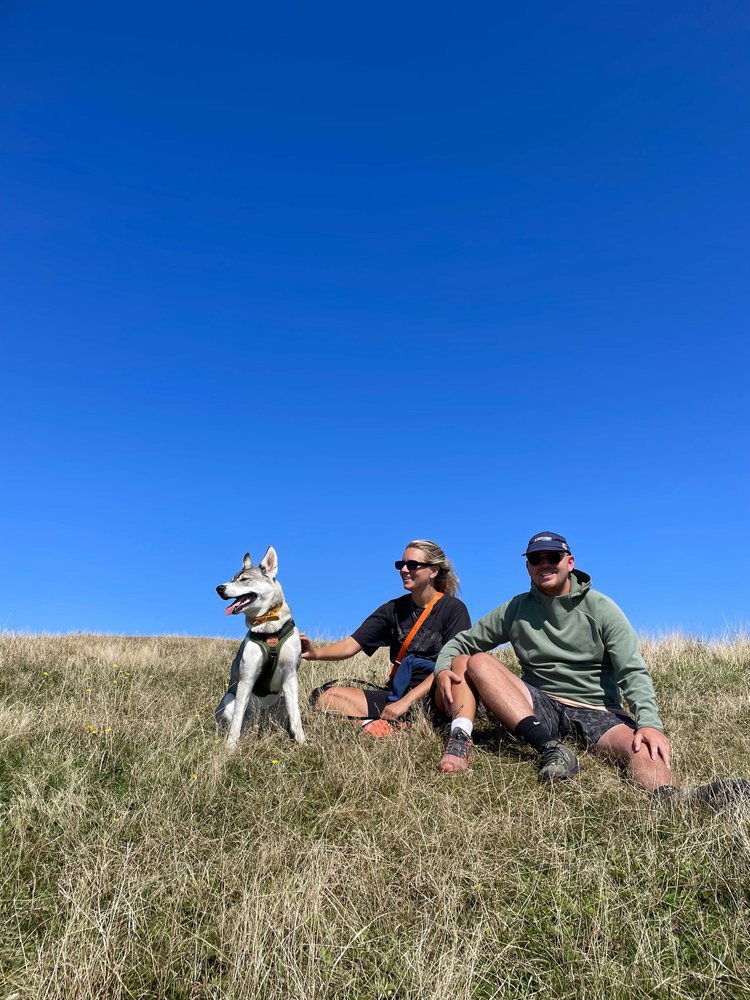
(265, 667)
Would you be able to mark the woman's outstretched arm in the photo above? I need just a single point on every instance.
(340, 650)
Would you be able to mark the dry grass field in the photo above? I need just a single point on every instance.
(141, 859)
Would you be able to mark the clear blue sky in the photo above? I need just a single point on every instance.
(331, 277)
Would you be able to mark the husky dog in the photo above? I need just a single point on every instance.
(265, 667)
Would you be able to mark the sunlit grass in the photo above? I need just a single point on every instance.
(140, 858)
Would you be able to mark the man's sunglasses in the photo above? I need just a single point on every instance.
(553, 558)
(411, 564)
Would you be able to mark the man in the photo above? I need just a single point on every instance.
(579, 656)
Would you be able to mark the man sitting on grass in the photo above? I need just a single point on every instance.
(579, 656)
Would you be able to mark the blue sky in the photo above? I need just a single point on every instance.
(330, 278)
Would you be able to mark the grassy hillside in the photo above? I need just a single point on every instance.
(141, 859)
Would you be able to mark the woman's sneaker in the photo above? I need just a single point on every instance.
(558, 763)
(382, 728)
(455, 760)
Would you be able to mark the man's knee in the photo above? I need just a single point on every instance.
(616, 744)
(616, 747)
(481, 665)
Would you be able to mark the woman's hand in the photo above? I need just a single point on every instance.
(395, 709)
(340, 650)
(308, 651)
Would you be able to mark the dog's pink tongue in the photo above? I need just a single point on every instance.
(230, 609)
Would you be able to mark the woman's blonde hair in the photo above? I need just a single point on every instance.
(446, 581)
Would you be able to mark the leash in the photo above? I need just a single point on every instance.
(355, 682)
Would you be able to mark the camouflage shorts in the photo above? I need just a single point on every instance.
(585, 725)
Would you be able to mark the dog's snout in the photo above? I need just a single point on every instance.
(220, 591)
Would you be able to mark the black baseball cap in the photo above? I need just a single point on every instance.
(546, 541)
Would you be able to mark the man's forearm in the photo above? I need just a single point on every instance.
(484, 635)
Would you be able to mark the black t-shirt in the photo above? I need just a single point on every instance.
(394, 620)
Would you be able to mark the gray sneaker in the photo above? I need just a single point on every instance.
(558, 763)
(455, 760)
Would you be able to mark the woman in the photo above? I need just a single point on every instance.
(425, 574)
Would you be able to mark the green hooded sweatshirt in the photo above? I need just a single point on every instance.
(578, 646)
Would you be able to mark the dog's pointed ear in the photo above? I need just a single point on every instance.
(270, 562)
(247, 563)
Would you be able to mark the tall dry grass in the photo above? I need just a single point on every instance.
(141, 859)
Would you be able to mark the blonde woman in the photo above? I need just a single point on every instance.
(425, 572)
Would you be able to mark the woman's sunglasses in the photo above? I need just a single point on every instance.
(553, 558)
(411, 564)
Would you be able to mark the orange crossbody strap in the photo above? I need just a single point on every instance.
(417, 626)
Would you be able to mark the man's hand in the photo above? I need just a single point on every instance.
(655, 742)
(444, 683)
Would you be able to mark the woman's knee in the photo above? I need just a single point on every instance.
(324, 699)
(341, 701)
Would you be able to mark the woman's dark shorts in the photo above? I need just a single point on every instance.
(376, 698)
(376, 702)
(585, 725)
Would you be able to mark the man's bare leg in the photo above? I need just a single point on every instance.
(616, 746)
(510, 701)
(504, 694)
(469, 674)
(463, 701)
(459, 703)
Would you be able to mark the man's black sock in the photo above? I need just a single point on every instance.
(534, 732)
